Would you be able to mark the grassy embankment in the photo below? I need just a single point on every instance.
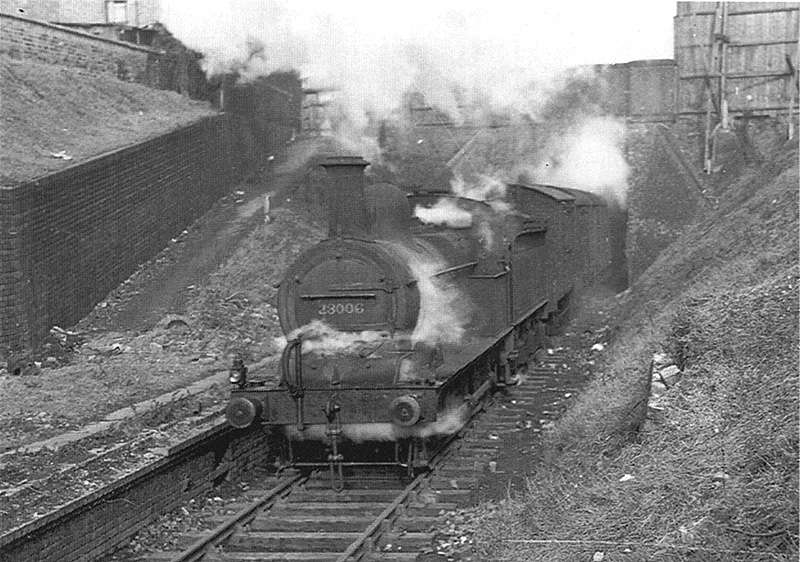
(717, 478)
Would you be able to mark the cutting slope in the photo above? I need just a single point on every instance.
(717, 478)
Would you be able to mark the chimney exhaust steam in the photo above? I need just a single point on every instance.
(347, 213)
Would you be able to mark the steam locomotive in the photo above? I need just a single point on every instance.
(412, 308)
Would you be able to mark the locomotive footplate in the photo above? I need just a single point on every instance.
(356, 405)
(396, 410)
(333, 424)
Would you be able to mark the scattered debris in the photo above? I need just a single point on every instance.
(655, 414)
(657, 388)
(21, 364)
(66, 339)
(720, 477)
(670, 376)
(660, 359)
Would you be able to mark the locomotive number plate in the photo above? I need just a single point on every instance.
(332, 309)
(341, 310)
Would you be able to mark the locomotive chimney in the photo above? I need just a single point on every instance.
(347, 214)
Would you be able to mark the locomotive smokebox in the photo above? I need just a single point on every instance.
(347, 213)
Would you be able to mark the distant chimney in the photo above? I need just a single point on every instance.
(347, 215)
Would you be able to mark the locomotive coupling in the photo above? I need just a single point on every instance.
(241, 412)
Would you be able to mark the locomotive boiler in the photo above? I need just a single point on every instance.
(400, 320)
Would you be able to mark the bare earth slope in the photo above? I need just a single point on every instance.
(46, 110)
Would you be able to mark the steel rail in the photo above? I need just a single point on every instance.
(367, 537)
(199, 548)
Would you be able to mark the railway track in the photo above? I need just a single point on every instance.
(381, 515)
(289, 516)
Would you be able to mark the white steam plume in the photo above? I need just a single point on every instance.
(484, 188)
(326, 340)
(444, 311)
(485, 221)
(590, 156)
(446, 423)
(464, 59)
(444, 212)
(456, 55)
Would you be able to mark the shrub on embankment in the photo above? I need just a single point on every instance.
(717, 478)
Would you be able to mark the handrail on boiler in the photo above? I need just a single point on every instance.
(296, 387)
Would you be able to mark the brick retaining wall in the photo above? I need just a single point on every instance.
(12, 309)
(67, 239)
(53, 44)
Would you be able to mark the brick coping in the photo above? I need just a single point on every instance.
(114, 418)
(173, 455)
(213, 114)
(65, 29)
